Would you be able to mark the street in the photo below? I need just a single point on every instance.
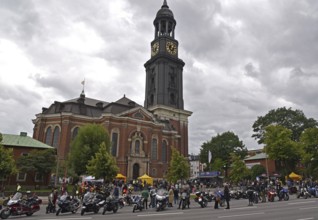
(294, 209)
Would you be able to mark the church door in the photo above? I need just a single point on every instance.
(135, 171)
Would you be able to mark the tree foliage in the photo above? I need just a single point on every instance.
(40, 161)
(280, 147)
(103, 165)
(309, 144)
(295, 120)
(221, 147)
(85, 145)
(179, 168)
(239, 171)
(7, 162)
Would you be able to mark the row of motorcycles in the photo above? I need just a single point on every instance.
(19, 205)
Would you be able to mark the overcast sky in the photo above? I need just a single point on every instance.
(243, 58)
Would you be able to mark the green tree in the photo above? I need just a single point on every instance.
(103, 165)
(239, 171)
(309, 144)
(40, 161)
(221, 147)
(257, 170)
(295, 120)
(7, 162)
(179, 168)
(85, 145)
(280, 147)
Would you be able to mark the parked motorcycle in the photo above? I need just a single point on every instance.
(111, 204)
(66, 204)
(220, 195)
(138, 203)
(271, 194)
(283, 194)
(161, 199)
(92, 202)
(303, 192)
(201, 199)
(236, 194)
(19, 206)
(185, 200)
(256, 197)
(313, 191)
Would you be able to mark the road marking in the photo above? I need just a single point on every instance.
(313, 207)
(230, 216)
(305, 218)
(80, 218)
(296, 203)
(170, 213)
(248, 207)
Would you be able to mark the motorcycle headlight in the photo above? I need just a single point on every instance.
(200, 199)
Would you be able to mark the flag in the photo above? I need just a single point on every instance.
(210, 156)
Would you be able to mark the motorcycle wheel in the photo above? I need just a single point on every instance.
(74, 210)
(202, 204)
(96, 210)
(134, 208)
(82, 212)
(286, 198)
(29, 214)
(306, 196)
(47, 210)
(5, 214)
(115, 209)
(104, 211)
(58, 212)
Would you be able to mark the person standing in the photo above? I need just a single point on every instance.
(145, 196)
(227, 196)
(176, 196)
(216, 198)
(171, 195)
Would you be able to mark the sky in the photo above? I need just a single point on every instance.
(242, 58)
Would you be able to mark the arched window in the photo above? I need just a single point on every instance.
(75, 132)
(48, 136)
(154, 149)
(56, 137)
(164, 151)
(137, 147)
(114, 144)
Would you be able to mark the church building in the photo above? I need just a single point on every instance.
(141, 136)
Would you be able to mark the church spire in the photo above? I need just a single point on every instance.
(165, 5)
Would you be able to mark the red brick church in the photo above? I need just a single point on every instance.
(141, 136)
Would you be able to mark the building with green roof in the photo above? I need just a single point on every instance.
(22, 144)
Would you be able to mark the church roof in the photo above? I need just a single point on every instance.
(22, 140)
(88, 101)
(90, 107)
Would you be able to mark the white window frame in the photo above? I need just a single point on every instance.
(36, 179)
(21, 180)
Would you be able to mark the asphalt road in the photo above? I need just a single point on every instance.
(294, 209)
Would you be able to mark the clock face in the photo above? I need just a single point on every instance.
(171, 48)
(154, 49)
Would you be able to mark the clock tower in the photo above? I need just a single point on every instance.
(164, 77)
